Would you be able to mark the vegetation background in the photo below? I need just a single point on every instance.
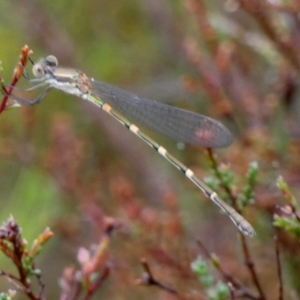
(67, 165)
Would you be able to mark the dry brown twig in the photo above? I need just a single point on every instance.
(148, 279)
(18, 72)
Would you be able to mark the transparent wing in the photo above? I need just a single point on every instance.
(179, 124)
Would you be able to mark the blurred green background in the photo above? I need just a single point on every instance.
(66, 165)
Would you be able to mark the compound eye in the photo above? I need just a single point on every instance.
(51, 61)
(38, 70)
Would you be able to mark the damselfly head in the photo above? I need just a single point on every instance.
(47, 64)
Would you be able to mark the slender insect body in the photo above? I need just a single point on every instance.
(147, 140)
(105, 107)
(189, 173)
(162, 151)
(178, 124)
(133, 128)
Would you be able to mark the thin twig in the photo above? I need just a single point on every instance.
(295, 212)
(98, 283)
(148, 279)
(25, 53)
(279, 270)
(9, 276)
(77, 292)
(248, 260)
(234, 284)
(231, 290)
(261, 13)
(218, 174)
(251, 267)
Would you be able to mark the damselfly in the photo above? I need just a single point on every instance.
(181, 125)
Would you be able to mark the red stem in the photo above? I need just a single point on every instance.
(25, 53)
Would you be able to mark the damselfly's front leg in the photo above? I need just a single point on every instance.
(28, 102)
